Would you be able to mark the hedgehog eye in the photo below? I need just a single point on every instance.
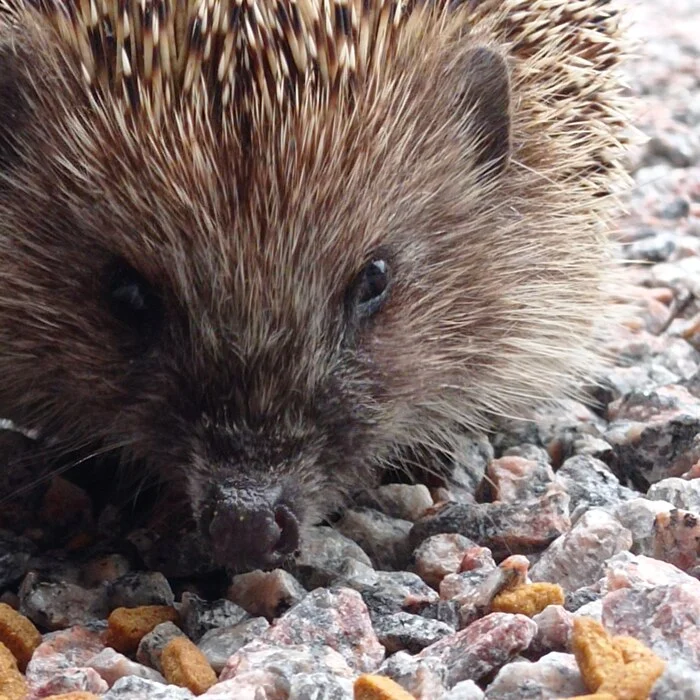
(370, 288)
(131, 299)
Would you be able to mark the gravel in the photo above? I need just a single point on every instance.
(603, 500)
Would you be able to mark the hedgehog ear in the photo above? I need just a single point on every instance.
(13, 104)
(485, 105)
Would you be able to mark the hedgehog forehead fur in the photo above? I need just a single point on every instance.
(249, 158)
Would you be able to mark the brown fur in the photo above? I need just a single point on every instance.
(251, 203)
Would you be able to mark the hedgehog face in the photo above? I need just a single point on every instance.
(260, 339)
(267, 288)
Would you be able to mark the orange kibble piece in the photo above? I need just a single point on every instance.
(595, 696)
(128, 626)
(75, 695)
(12, 683)
(528, 599)
(184, 664)
(642, 669)
(18, 634)
(597, 657)
(372, 687)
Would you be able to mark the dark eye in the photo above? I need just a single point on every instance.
(370, 288)
(132, 300)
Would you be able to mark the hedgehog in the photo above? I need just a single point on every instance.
(265, 250)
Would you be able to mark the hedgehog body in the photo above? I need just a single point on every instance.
(269, 246)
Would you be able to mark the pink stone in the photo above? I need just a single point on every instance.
(677, 538)
(554, 626)
(578, 558)
(441, 555)
(111, 665)
(68, 680)
(60, 651)
(337, 618)
(484, 646)
(251, 685)
(286, 661)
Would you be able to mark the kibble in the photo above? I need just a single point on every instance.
(185, 665)
(372, 687)
(13, 686)
(529, 599)
(127, 626)
(18, 634)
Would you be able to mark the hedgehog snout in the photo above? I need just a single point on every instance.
(250, 527)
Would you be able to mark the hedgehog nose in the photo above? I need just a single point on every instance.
(247, 531)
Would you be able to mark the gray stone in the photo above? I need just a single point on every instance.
(384, 539)
(682, 493)
(139, 588)
(555, 675)
(135, 688)
(412, 633)
(218, 645)
(199, 616)
(678, 682)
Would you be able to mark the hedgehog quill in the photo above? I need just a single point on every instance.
(274, 245)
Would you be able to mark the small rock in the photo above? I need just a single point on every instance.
(400, 501)
(218, 645)
(505, 528)
(199, 616)
(152, 644)
(111, 665)
(403, 631)
(555, 675)
(286, 661)
(135, 688)
(657, 604)
(554, 627)
(472, 455)
(320, 686)
(575, 600)
(266, 593)
(55, 606)
(396, 591)
(485, 646)
(678, 682)
(440, 555)
(472, 591)
(677, 539)
(337, 618)
(138, 588)
(15, 553)
(324, 553)
(60, 651)
(424, 678)
(681, 493)
(655, 434)
(639, 516)
(384, 539)
(577, 558)
(516, 479)
(70, 680)
(465, 690)
(446, 611)
(352, 574)
(589, 482)
(250, 685)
